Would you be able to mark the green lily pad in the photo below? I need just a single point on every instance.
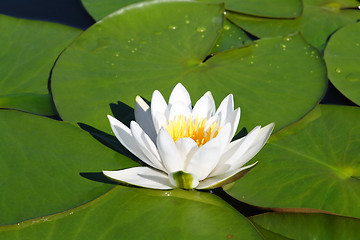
(130, 213)
(320, 19)
(342, 57)
(314, 163)
(307, 226)
(231, 37)
(28, 50)
(99, 9)
(264, 8)
(155, 45)
(30, 102)
(42, 160)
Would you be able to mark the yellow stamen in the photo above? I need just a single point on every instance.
(182, 127)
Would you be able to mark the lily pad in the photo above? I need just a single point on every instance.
(28, 50)
(264, 8)
(320, 19)
(42, 160)
(231, 37)
(130, 213)
(307, 226)
(30, 102)
(342, 57)
(99, 9)
(314, 163)
(154, 45)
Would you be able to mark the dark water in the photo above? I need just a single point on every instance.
(71, 12)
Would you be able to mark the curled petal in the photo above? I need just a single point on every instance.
(144, 118)
(142, 177)
(146, 145)
(125, 137)
(226, 178)
(260, 141)
(234, 153)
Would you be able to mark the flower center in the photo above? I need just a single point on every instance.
(182, 127)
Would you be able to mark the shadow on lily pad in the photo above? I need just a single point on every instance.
(97, 177)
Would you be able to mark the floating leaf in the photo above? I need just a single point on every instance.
(320, 19)
(42, 160)
(99, 9)
(130, 213)
(307, 226)
(30, 102)
(231, 37)
(28, 50)
(264, 8)
(314, 163)
(154, 45)
(342, 57)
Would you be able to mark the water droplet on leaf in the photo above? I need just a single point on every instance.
(201, 29)
(287, 39)
(172, 27)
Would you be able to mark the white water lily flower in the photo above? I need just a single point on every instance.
(186, 147)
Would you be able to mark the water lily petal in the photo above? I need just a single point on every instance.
(205, 159)
(235, 119)
(260, 141)
(221, 141)
(233, 155)
(221, 180)
(146, 145)
(229, 152)
(178, 109)
(159, 121)
(144, 118)
(210, 121)
(204, 107)
(187, 147)
(158, 103)
(142, 177)
(159, 110)
(225, 109)
(225, 135)
(180, 94)
(125, 137)
(169, 153)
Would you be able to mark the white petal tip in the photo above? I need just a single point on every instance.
(179, 85)
(208, 94)
(140, 101)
